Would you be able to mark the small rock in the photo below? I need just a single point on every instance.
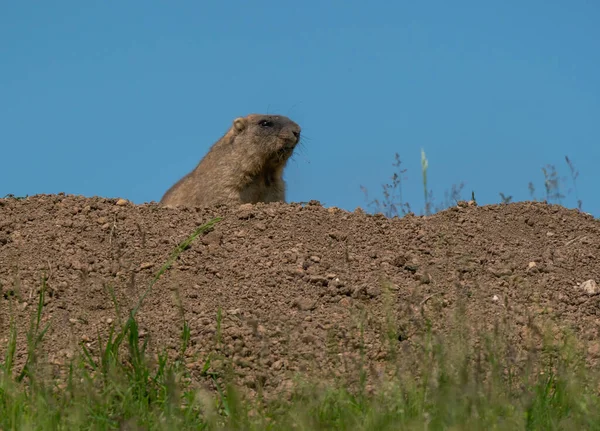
(590, 287)
(399, 261)
(66, 353)
(305, 304)
(562, 297)
(245, 212)
(336, 282)
(360, 292)
(533, 268)
(465, 204)
(339, 236)
(285, 389)
(373, 291)
(424, 278)
(495, 298)
(549, 233)
(261, 330)
(317, 279)
(385, 266)
(411, 268)
(277, 365)
(345, 302)
(290, 256)
(212, 238)
(500, 272)
(594, 349)
(308, 338)
(122, 202)
(146, 265)
(315, 259)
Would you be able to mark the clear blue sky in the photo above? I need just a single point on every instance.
(121, 99)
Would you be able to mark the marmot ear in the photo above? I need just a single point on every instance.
(240, 124)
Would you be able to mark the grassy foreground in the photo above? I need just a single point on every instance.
(448, 384)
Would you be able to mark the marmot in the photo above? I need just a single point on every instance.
(244, 166)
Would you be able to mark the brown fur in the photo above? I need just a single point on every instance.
(244, 166)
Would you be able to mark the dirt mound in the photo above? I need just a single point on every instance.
(300, 288)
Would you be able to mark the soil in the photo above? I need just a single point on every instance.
(274, 290)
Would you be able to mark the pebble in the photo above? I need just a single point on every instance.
(305, 304)
(317, 279)
(345, 302)
(594, 349)
(590, 287)
(373, 291)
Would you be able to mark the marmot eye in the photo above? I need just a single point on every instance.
(265, 123)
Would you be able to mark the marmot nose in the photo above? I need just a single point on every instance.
(296, 134)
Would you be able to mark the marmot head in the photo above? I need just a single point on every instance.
(274, 136)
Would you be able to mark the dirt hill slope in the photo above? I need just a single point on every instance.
(296, 284)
